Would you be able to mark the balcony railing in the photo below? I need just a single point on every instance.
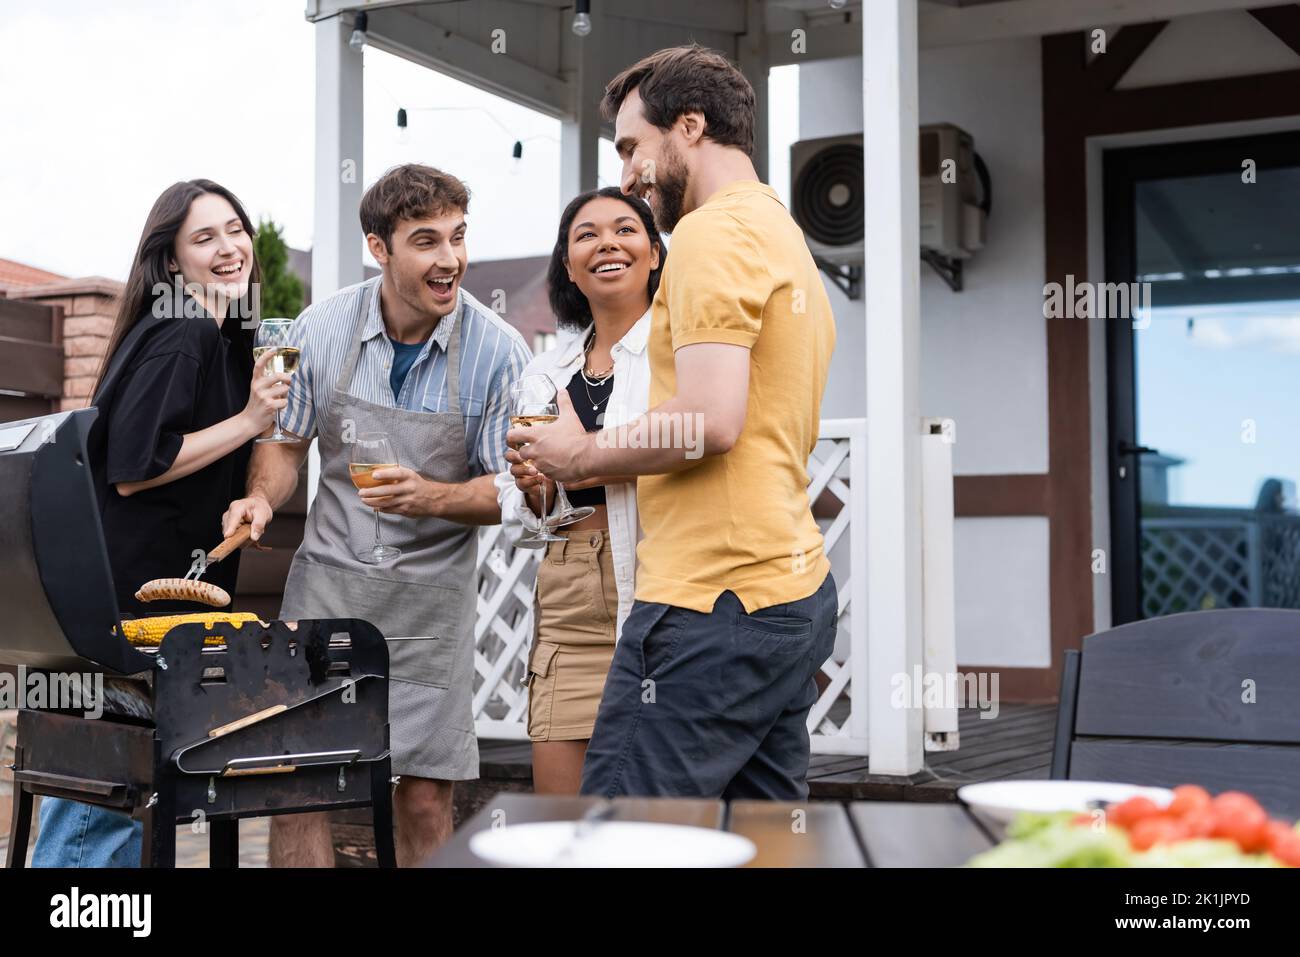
(1198, 562)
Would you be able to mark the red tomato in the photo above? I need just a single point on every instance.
(1287, 850)
(1275, 831)
(1235, 799)
(1082, 819)
(1199, 822)
(1153, 830)
(1188, 797)
(1131, 811)
(1242, 821)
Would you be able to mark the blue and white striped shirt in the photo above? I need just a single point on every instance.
(492, 356)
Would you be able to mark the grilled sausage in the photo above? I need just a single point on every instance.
(180, 589)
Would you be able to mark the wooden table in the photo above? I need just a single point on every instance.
(809, 834)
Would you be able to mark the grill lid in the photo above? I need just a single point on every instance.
(56, 587)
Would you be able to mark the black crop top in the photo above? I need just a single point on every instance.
(589, 401)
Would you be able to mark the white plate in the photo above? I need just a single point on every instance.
(611, 844)
(1003, 800)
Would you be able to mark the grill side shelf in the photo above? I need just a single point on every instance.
(325, 729)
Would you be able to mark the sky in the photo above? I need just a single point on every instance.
(1237, 425)
(103, 105)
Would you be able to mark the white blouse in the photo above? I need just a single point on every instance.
(628, 399)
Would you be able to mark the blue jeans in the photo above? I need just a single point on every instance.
(711, 705)
(83, 835)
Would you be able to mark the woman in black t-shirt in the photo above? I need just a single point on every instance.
(180, 401)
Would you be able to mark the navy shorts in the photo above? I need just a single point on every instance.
(712, 705)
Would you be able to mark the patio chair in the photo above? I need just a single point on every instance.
(1206, 697)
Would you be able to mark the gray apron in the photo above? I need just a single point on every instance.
(429, 590)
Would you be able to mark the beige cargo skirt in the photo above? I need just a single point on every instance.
(577, 614)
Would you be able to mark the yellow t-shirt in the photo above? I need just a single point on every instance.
(739, 272)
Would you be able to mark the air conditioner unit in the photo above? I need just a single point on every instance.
(827, 198)
(952, 211)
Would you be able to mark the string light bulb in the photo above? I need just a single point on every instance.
(582, 18)
(358, 39)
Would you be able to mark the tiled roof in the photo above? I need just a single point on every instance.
(20, 274)
(522, 282)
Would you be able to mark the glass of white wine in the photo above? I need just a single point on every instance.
(273, 336)
(371, 451)
(533, 401)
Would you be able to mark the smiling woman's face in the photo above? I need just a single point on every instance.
(610, 255)
(213, 250)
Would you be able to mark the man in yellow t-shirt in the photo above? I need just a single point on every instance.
(709, 690)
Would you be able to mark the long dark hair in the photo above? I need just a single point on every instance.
(572, 311)
(149, 270)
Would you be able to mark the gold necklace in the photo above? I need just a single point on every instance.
(600, 379)
(588, 377)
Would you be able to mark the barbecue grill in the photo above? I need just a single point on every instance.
(269, 719)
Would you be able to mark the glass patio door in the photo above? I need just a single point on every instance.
(1204, 377)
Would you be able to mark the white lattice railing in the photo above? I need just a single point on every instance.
(837, 722)
(1194, 563)
(841, 449)
(502, 635)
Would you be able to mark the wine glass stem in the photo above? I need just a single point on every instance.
(378, 543)
(278, 432)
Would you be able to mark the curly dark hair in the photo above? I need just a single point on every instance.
(572, 311)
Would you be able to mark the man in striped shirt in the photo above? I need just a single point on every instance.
(412, 357)
(493, 354)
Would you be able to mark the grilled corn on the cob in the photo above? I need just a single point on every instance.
(150, 631)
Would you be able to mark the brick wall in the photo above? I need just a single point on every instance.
(88, 309)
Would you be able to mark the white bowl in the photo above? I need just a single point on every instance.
(1003, 800)
(611, 844)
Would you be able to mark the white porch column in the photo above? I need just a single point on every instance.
(580, 132)
(752, 57)
(892, 295)
(336, 247)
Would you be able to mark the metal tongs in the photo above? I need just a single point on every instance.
(200, 564)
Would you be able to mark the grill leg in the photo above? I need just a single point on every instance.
(20, 826)
(381, 808)
(223, 843)
(159, 847)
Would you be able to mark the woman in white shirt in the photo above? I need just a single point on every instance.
(603, 274)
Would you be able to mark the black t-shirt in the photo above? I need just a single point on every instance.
(170, 377)
(589, 401)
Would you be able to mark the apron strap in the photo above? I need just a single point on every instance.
(453, 360)
(354, 350)
(453, 351)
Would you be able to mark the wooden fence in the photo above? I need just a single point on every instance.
(31, 359)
